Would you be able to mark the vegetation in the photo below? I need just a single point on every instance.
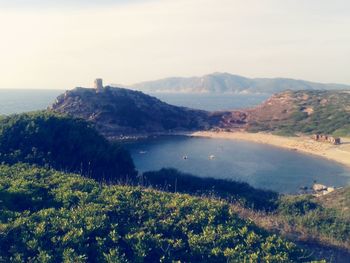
(326, 220)
(339, 200)
(174, 181)
(314, 219)
(325, 112)
(49, 216)
(63, 143)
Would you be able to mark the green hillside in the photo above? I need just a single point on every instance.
(339, 200)
(316, 219)
(48, 216)
(63, 143)
(291, 112)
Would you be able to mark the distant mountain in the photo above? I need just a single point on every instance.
(228, 83)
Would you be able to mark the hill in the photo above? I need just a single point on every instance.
(339, 200)
(117, 111)
(292, 112)
(48, 216)
(228, 83)
(289, 112)
(66, 144)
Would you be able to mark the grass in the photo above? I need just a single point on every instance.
(318, 223)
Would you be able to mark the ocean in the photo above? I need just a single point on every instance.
(17, 101)
(213, 102)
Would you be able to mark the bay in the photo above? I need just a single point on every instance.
(260, 165)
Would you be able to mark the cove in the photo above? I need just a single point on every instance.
(260, 165)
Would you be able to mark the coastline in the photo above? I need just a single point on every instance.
(304, 144)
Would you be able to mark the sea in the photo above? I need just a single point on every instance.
(17, 101)
(260, 165)
(212, 102)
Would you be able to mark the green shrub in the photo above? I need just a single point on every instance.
(175, 181)
(63, 143)
(305, 212)
(79, 220)
(297, 205)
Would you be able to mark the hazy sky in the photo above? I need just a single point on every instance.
(67, 43)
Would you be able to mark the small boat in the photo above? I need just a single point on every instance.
(185, 157)
(211, 157)
(142, 152)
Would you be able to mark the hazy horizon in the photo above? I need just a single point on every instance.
(131, 85)
(64, 44)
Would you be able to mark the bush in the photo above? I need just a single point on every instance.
(306, 213)
(66, 144)
(175, 181)
(297, 206)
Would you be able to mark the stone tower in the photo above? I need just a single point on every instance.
(98, 85)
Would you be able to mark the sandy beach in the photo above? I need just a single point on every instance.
(304, 144)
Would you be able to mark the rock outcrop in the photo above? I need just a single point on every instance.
(116, 112)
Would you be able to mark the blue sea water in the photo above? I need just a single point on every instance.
(212, 102)
(260, 165)
(17, 101)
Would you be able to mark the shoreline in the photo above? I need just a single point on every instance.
(304, 144)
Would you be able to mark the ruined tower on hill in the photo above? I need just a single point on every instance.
(98, 85)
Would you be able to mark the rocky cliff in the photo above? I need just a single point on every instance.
(117, 112)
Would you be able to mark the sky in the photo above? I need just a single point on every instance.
(62, 44)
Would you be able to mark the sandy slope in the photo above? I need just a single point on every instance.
(338, 153)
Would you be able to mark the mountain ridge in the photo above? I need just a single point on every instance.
(230, 83)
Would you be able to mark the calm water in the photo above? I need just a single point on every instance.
(212, 102)
(259, 165)
(17, 101)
